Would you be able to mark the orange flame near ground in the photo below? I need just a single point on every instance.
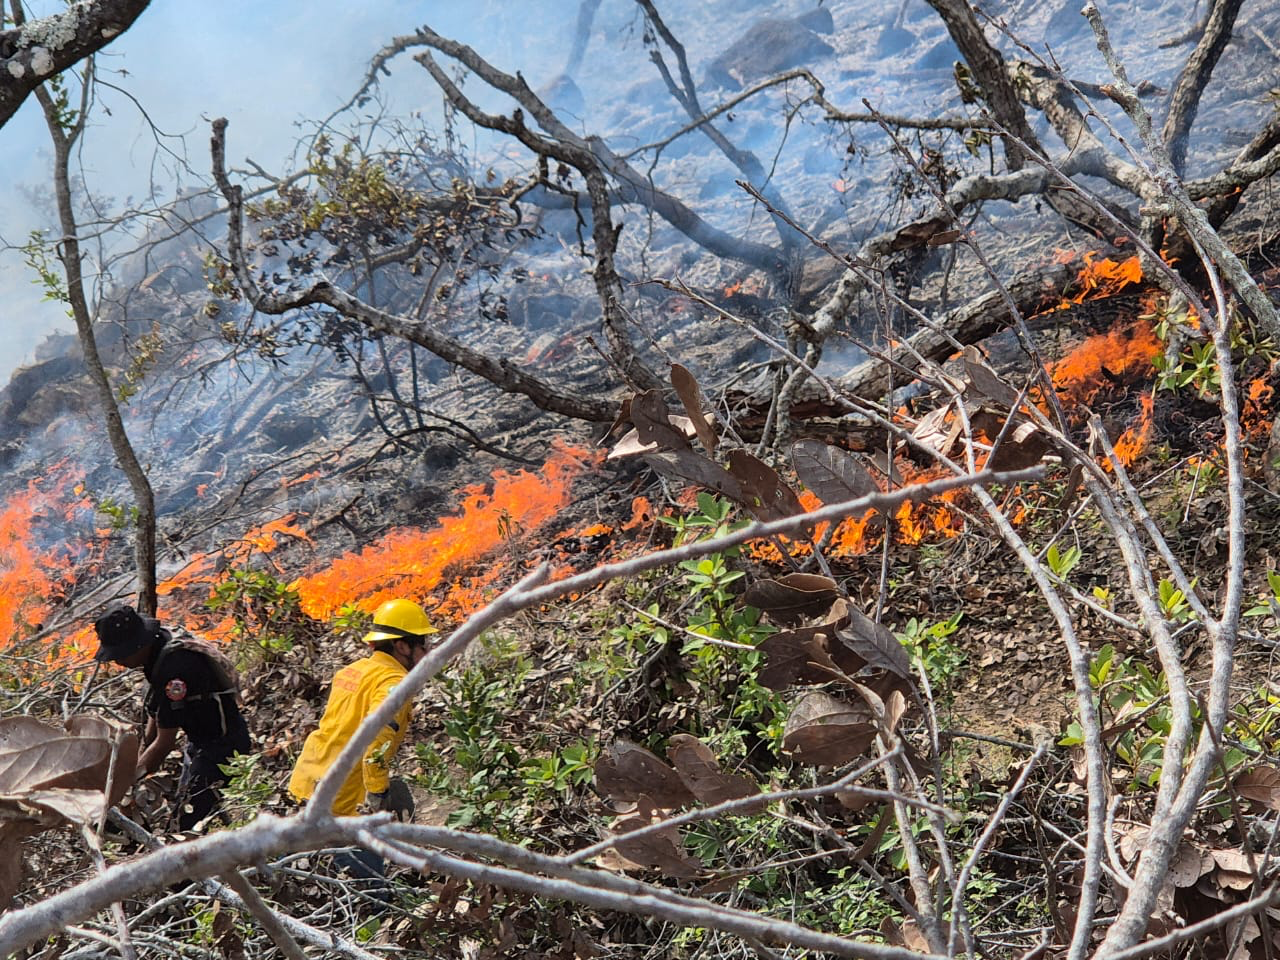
(1133, 441)
(1124, 354)
(428, 565)
(1099, 279)
(33, 579)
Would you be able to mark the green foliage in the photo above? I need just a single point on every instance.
(64, 115)
(477, 765)
(1174, 602)
(368, 929)
(566, 770)
(1195, 363)
(266, 612)
(930, 646)
(352, 621)
(119, 516)
(37, 253)
(1133, 703)
(1268, 604)
(709, 521)
(1061, 563)
(248, 788)
(202, 918)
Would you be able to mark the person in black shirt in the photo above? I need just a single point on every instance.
(188, 691)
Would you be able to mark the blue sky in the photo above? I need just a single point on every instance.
(264, 66)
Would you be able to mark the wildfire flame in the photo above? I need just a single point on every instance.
(429, 565)
(34, 577)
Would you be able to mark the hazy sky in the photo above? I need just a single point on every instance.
(264, 66)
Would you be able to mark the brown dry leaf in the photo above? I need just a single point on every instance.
(78, 806)
(1023, 446)
(687, 465)
(1132, 837)
(1261, 787)
(872, 843)
(97, 776)
(831, 474)
(907, 935)
(34, 756)
(701, 773)
(1233, 870)
(822, 730)
(663, 850)
(1190, 862)
(1233, 880)
(895, 708)
(793, 656)
(226, 937)
(654, 422)
(767, 497)
(932, 430)
(985, 381)
(874, 643)
(18, 733)
(792, 599)
(627, 771)
(631, 445)
(691, 396)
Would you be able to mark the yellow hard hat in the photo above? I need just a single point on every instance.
(399, 620)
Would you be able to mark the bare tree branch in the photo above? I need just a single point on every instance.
(1184, 102)
(33, 51)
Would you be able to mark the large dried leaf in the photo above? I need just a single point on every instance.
(875, 644)
(872, 843)
(687, 465)
(1234, 871)
(78, 806)
(833, 475)
(701, 773)
(631, 445)
(18, 733)
(691, 396)
(96, 777)
(793, 656)
(663, 849)
(653, 422)
(985, 381)
(627, 771)
(794, 598)
(766, 496)
(822, 730)
(55, 758)
(1260, 786)
(895, 708)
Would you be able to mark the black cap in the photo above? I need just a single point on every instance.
(122, 632)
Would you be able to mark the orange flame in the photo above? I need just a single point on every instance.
(32, 578)
(428, 563)
(1134, 440)
(1104, 278)
(1118, 355)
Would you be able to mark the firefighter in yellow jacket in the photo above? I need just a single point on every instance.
(399, 641)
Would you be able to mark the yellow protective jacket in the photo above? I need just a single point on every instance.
(357, 691)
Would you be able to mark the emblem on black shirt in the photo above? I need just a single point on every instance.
(175, 690)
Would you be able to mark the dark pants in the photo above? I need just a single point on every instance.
(198, 795)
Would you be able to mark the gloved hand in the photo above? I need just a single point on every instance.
(399, 800)
(395, 799)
